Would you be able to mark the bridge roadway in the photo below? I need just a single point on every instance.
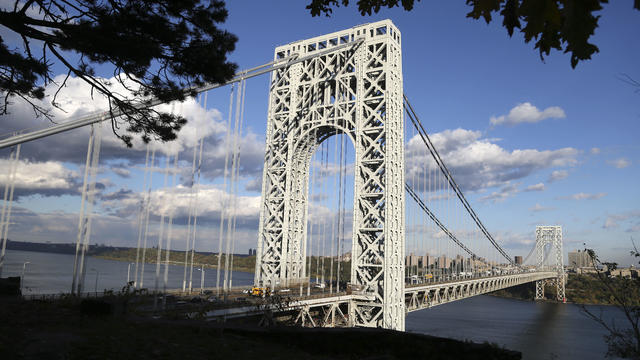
(332, 311)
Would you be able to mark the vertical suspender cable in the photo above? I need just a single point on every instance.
(191, 196)
(161, 232)
(340, 218)
(6, 214)
(93, 172)
(243, 84)
(232, 183)
(170, 231)
(333, 223)
(81, 217)
(224, 196)
(141, 215)
(195, 213)
(146, 218)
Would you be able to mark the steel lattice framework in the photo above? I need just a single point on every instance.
(550, 235)
(355, 90)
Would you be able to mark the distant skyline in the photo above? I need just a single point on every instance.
(531, 142)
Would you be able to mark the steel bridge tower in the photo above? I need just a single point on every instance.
(353, 87)
(552, 236)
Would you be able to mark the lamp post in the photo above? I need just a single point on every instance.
(95, 289)
(201, 279)
(24, 266)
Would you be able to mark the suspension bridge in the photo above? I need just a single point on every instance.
(416, 242)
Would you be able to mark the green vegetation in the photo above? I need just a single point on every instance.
(580, 289)
(588, 289)
(240, 263)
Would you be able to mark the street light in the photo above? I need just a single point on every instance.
(96, 286)
(24, 266)
(201, 279)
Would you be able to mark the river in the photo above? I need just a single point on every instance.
(539, 330)
(49, 273)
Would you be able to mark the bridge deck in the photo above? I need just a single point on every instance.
(332, 307)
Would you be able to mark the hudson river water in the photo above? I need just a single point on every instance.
(538, 330)
(49, 273)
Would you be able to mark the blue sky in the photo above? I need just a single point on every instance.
(459, 73)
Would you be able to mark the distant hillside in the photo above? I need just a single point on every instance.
(99, 250)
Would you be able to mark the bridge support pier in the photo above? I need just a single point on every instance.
(549, 258)
(353, 87)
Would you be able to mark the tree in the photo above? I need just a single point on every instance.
(622, 342)
(156, 49)
(553, 24)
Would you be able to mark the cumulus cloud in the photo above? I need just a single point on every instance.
(595, 151)
(583, 196)
(502, 194)
(536, 187)
(558, 175)
(538, 208)
(71, 146)
(478, 163)
(47, 178)
(527, 113)
(613, 221)
(619, 163)
(211, 202)
(121, 170)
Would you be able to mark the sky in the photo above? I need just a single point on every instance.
(531, 142)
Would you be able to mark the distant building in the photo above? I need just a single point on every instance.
(444, 262)
(518, 260)
(579, 259)
(250, 251)
(428, 261)
(411, 260)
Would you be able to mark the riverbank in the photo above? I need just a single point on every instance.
(66, 330)
(584, 289)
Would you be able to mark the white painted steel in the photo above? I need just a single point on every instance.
(552, 236)
(357, 91)
(330, 311)
(421, 297)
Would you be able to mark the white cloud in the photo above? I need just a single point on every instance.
(478, 163)
(613, 221)
(610, 223)
(45, 178)
(527, 113)
(504, 193)
(537, 208)
(620, 163)
(536, 187)
(71, 146)
(595, 151)
(211, 201)
(558, 175)
(583, 196)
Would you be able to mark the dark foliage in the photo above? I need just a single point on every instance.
(564, 25)
(156, 49)
(622, 341)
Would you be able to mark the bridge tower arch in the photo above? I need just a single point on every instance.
(353, 86)
(550, 238)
